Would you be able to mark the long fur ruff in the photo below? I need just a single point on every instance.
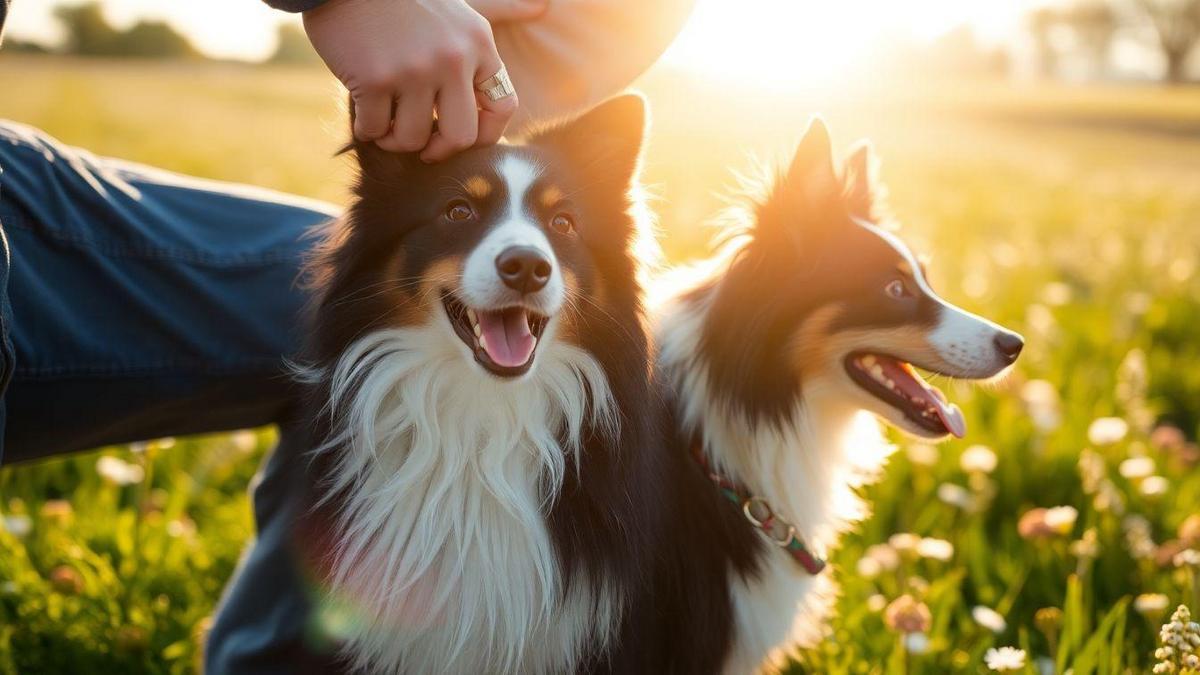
(443, 481)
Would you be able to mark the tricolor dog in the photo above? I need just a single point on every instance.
(808, 327)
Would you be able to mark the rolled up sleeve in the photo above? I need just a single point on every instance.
(294, 5)
(582, 51)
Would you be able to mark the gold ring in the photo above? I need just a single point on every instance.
(497, 86)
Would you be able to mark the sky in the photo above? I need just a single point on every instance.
(751, 31)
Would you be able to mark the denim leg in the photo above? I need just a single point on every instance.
(143, 303)
(264, 623)
(146, 304)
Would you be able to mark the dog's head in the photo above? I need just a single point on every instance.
(504, 249)
(822, 295)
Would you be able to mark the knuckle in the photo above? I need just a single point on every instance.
(480, 32)
(453, 55)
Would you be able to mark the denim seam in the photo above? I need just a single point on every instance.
(236, 261)
(25, 373)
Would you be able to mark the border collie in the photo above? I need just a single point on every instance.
(810, 323)
(480, 371)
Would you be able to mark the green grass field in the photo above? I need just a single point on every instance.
(1072, 215)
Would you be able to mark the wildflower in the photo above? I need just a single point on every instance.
(978, 459)
(876, 603)
(989, 618)
(18, 525)
(1150, 604)
(884, 555)
(1107, 430)
(181, 527)
(119, 472)
(1087, 546)
(1187, 558)
(1005, 658)
(57, 511)
(904, 542)
(1042, 404)
(1167, 437)
(1056, 294)
(922, 454)
(867, 568)
(1180, 638)
(1092, 471)
(1136, 468)
(1043, 523)
(1154, 486)
(937, 549)
(916, 643)
(956, 495)
(1061, 519)
(66, 580)
(906, 614)
(1189, 530)
(1138, 538)
(244, 441)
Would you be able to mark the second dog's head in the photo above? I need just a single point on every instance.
(823, 296)
(500, 250)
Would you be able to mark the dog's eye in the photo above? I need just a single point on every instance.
(562, 223)
(896, 289)
(459, 210)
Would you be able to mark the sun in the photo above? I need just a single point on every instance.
(789, 44)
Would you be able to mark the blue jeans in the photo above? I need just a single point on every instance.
(135, 303)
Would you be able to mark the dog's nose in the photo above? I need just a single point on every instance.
(523, 268)
(1009, 345)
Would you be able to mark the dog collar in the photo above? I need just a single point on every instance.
(759, 513)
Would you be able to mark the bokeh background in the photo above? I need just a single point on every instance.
(1045, 156)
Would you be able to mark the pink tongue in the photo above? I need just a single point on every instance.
(506, 337)
(908, 381)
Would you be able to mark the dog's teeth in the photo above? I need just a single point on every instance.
(868, 360)
(478, 330)
(471, 315)
(483, 342)
(891, 384)
(877, 372)
(534, 343)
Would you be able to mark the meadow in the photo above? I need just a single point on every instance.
(1061, 525)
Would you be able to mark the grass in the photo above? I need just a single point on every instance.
(1068, 214)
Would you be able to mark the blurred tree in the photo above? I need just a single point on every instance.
(1093, 23)
(1177, 25)
(154, 39)
(293, 46)
(1042, 22)
(89, 34)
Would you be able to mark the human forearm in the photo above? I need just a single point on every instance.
(579, 52)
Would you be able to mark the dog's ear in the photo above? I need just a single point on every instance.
(811, 174)
(864, 194)
(605, 143)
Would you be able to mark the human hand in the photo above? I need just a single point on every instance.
(401, 60)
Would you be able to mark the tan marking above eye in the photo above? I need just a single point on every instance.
(551, 195)
(904, 268)
(478, 187)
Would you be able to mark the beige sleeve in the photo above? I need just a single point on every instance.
(582, 51)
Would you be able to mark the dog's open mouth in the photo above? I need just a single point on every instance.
(503, 340)
(896, 383)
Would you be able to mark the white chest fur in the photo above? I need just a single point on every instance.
(443, 554)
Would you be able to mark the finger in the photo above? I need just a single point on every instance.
(494, 117)
(458, 121)
(413, 122)
(372, 115)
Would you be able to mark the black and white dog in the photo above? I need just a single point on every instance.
(480, 370)
(777, 360)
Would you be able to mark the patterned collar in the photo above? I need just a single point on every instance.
(758, 512)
